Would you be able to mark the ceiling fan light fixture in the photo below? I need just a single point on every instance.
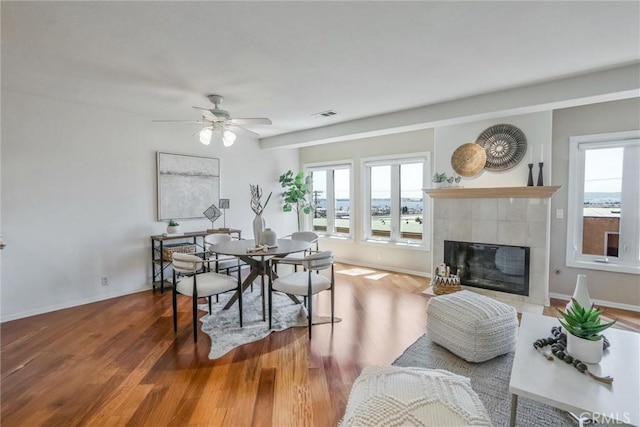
(206, 135)
(228, 138)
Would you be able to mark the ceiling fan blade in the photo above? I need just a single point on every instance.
(235, 126)
(208, 114)
(252, 121)
(178, 121)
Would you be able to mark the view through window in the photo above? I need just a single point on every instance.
(395, 200)
(332, 200)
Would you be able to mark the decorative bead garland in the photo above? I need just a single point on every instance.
(558, 344)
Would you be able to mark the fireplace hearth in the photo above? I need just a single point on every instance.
(494, 267)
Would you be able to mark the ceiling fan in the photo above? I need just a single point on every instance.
(219, 122)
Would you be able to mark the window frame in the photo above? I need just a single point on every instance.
(394, 240)
(629, 260)
(331, 166)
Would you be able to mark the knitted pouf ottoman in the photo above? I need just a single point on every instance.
(472, 326)
(395, 396)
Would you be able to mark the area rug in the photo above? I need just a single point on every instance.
(490, 380)
(223, 326)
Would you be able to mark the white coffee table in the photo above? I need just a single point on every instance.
(560, 385)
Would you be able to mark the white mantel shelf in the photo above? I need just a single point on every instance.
(493, 192)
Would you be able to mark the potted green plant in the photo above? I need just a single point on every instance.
(296, 196)
(173, 227)
(584, 327)
(439, 179)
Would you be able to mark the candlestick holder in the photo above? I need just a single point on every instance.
(540, 184)
(530, 180)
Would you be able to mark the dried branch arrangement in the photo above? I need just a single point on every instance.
(256, 194)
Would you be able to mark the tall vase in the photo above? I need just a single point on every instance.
(581, 293)
(258, 226)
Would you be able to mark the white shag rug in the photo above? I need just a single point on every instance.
(223, 326)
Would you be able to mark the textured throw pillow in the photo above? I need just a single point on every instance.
(396, 396)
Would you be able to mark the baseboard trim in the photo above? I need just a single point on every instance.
(599, 302)
(70, 304)
(383, 267)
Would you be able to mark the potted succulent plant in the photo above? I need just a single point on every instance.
(439, 179)
(584, 327)
(173, 227)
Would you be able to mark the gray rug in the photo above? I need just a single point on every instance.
(223, 326)
(490, 380)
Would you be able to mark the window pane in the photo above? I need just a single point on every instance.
(411, 183)
(380, 201)
(601, 203)
(320, 200)
(342, 200)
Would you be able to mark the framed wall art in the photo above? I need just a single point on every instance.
(187, 185)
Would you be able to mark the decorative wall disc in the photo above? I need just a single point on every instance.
(468, 159)
(505, 145)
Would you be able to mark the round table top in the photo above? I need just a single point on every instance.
(239, 248)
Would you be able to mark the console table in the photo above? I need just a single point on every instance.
(159, 242)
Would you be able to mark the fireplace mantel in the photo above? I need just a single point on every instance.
(492, 192)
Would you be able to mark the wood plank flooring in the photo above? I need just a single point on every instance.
(118, 362)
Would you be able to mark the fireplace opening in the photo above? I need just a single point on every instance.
(489, 266)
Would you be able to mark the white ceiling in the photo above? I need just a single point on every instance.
(289, 60)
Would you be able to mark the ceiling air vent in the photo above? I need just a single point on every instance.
(327, 113)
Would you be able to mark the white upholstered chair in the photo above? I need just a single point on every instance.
(217, 262)
(187, 280)
(305, 236)
(305, 283)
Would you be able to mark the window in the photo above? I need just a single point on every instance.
(395, 208)
(332, 198)
(603, 230)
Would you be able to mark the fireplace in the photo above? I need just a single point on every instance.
(495, 267)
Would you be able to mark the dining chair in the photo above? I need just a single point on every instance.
(305, 236)
(218, 262)
(305, 283)
(198, 284)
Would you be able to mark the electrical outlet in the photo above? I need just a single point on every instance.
(105, 280)
(559, 213)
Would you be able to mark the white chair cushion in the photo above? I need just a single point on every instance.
(298, 283)
(208, 284)
(390, 395)
(472, 326)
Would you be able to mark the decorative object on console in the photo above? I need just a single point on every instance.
(224, 205)
(540, 183)
(212, 213)
(173, 227)
(298, 188)
(584, 328)
(504, 145)
(257, 207)
(468, 159)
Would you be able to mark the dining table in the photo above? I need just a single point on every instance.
(258, 260)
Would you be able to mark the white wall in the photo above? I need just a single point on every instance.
(537, 129)
(79, 198)
(356, 251)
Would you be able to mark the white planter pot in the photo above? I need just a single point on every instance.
(586, 350)
(173, 229)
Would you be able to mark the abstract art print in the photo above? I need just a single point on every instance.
(187, 185)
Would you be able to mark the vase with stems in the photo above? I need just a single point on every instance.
(257, 207)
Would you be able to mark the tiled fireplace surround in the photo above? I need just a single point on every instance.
(506, 221)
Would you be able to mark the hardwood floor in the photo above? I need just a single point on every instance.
(118, 362)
